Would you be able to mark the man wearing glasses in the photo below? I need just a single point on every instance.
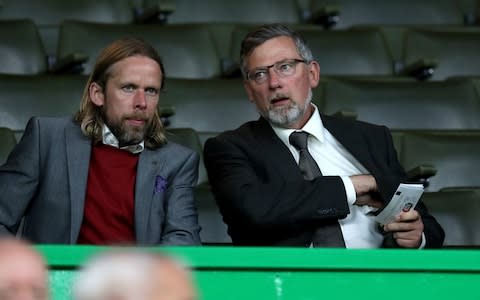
(296, 177)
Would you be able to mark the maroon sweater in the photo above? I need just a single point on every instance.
(110, 199)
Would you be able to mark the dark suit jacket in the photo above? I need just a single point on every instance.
(45, 178)
(265, 200)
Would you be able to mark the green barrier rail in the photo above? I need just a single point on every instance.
(231, 273)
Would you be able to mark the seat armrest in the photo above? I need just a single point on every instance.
(327, 16)
(421, 69)
(72, 63)
(165, 112)
(421, 174)
(155, 14)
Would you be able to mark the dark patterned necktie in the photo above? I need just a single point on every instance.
(328, 234)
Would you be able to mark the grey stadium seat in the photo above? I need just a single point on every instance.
(21, 48)
(457, 211)
(22, 97)
(406, 104)
(212, 105)
(187, 50)
(49, 14)
(453, 154)
(219, 11)
(454, 50)
(391, 12)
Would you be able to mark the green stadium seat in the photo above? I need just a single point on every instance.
(355, 52)
(454, 51)
(187, 50)
(48, 14)
(457, 211)
(7, 142)
(452, 154)
(219, 11)
(22, 97)
(350, 52)
(21, 48)
(406, 104)
(346, 13)
(212, 105)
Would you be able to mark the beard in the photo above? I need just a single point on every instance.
(128, 134)
(285, 116)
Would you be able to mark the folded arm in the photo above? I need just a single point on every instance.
(255, 192)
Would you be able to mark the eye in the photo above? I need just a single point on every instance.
(128, 88)
(151, 91)
(259, 75)
(285, 67)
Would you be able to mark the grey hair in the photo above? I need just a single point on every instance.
(267, 32)
(118, 275)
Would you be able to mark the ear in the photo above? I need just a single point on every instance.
(96, 94)
(248, 89)
(314, 74)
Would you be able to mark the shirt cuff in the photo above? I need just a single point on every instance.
(349, 190)
(424, 241)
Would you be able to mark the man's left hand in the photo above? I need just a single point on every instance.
(407, 229)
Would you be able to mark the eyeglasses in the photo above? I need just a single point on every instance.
(284, 68)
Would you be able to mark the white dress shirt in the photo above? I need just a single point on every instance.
(108, 138)
(359, 228)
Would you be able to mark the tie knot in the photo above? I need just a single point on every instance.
(298, 139)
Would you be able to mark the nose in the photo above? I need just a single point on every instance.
(273, 81)
(140, 100)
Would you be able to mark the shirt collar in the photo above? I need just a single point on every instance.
(314, 127)
(108, 138)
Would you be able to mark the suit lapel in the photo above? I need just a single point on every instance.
(274, 151)
(78, 157)
(147, 167)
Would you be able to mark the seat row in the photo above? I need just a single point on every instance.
(444, 158)
(453, 153)
(49, 14)
(211, 50)
(342, 13)
(214, 105)
(425, 117)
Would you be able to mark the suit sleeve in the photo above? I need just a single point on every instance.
(181, 224)
(252, 193)
(19, 178)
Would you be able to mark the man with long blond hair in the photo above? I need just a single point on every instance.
(108, 175)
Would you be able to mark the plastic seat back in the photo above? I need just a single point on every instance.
(21, 48)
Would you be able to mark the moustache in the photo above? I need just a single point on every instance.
(136, 116)
(278, 97)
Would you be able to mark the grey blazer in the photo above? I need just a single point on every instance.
(44, 180)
